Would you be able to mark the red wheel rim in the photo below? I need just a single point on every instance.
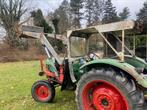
(102, 95)
(42, 92)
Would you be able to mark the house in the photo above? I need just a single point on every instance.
(2, 34)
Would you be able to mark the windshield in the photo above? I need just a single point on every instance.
(77, 46)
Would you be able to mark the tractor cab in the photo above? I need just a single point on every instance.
(78, 45)
(81, 45)
(99, 42)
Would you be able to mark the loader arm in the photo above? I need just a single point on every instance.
(37, 33)
(50, 49)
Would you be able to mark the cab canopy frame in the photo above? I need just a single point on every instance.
(120, 27)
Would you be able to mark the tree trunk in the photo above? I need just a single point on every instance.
(12, 39)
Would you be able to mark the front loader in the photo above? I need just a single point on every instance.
(101, 83)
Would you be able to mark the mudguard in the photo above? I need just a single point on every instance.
(131, 70)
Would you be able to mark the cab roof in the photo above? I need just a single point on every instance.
(110, 27)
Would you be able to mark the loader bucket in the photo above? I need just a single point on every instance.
(31, 31)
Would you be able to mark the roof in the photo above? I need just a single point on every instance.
(110, 27)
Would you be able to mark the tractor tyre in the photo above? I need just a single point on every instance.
(43, 91)
(108, 90)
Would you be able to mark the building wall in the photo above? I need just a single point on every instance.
(2, 34)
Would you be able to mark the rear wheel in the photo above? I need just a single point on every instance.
(106, 90)
(43, 91)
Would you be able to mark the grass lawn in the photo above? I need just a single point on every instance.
(16, 80)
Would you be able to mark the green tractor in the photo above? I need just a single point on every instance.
(101, 83)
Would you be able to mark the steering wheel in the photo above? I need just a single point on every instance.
(93, 56)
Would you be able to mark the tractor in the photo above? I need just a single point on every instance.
(100, 83)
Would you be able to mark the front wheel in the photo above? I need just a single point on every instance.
(108, 90)
(43, 91)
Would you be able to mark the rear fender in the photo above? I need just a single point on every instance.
(127, 68)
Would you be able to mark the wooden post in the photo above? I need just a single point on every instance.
(134, 43)
(146, 48)
(123, 45)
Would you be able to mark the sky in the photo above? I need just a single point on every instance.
(133, 5)
(46, 5)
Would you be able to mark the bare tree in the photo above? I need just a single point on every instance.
(10, 13)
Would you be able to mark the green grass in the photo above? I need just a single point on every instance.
(16, 80)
